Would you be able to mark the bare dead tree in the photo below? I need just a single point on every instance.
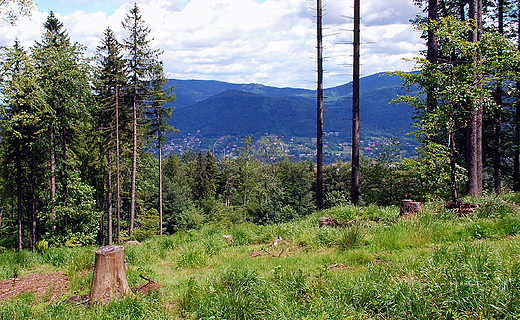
(354, 188)
(319, 146)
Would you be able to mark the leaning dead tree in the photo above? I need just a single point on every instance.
(109, 281)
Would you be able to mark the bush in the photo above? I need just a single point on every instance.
(41, 246)
(147, 224)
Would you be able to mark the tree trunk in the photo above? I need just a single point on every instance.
(118, 174)
(160, 185)
(354, 187)
(109, 211)
(474, 128)
(433, 52)
(516, 144)
(53, 182)
(19, 195)
(497, 175)
(33, 205)
(319, 134)
(109, 280)
(453, 176)
(134, 163)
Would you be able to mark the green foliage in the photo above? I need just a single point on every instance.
(191, 218)
(428, 175)
(228, 215)
(78, 218)
(147, 224)
(41, 246)
(437, 265)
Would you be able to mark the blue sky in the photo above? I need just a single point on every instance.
(66, 7)
(271, 42)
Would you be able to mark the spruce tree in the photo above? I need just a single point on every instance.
(109, 81)
(158, 115)
(140, 61)
(63, 74)
(23, 107)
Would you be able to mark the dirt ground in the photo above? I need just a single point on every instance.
(49, 286)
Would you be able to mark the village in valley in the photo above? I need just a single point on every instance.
(336, 147)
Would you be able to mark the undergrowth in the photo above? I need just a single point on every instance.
(438, 265)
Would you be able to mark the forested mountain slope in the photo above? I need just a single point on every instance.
(219, 109)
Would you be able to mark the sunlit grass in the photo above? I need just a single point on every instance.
(437, 265)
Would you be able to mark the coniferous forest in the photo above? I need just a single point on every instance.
(238, 236)
(81, 145)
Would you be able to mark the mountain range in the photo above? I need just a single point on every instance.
(212, 109)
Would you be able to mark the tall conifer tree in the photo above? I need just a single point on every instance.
(140, 61)
(22, 109)
(63, 73)
(158, 114)
(110, 80)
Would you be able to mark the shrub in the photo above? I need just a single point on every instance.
(41, 246)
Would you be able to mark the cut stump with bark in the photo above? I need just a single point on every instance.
(410, 208)
(109, 281)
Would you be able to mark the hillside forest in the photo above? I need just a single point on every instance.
(81, 155)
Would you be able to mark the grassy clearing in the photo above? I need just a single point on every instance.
(381, 267)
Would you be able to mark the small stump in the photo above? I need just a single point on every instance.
(410, 207)
(109, 281)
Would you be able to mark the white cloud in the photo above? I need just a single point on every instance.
(270, 42)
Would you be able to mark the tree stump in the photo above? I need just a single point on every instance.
(410, 207)
(109, 281)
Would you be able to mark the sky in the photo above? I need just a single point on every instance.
(271, 42)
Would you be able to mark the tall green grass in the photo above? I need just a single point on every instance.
(435, 266)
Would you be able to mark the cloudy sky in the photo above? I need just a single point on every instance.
(271, 42)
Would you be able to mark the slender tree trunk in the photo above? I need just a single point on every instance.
(118, 174)
(480, 108)
(516, 158)
(102, 226)
(273, 187)
(497, 174)
(433, 52)
(19, 196)
(109, 211)
(319, 143)
(354, 188)
(160, 183)
(53, 182)
(497, 170)
(453, 177)
(33, 205)
(134, 162)
(65, 167)
(245, 182)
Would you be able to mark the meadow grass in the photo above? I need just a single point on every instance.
(435, 266)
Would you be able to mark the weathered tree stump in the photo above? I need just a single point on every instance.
(109, 281)
(410, 207)
(324, 221)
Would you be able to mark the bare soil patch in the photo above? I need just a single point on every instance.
(51, 286)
